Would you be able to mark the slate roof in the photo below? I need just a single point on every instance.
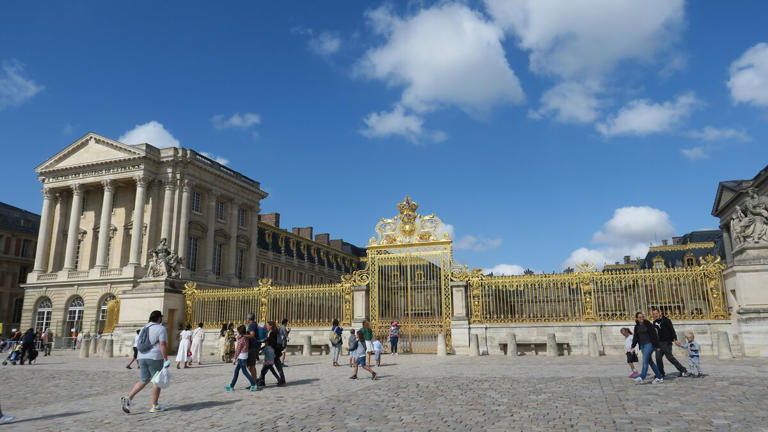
(18, 220)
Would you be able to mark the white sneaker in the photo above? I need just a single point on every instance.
(7, 419)
(126, 403)
(638, 379)
(658, 380)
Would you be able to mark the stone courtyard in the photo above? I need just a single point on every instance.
(413, 392)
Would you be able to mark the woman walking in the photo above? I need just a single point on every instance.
(646, 337)
(271, 348)
(394, 337)
(368, 339)
(336, 341)
(185, 339)
(223, 342)
(241, 358)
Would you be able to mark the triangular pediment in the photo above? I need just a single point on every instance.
(90, 150)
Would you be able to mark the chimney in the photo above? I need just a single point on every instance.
(270, 219)
(306, 232)
(626, 259)
(677, 240)
(337, 243)
(295, 230)
(323, 239)
(664, 242)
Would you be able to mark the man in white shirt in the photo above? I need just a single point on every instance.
(135, 350)
(198, 336)
(152, 359)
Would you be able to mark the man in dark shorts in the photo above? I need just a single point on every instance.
(251, 332)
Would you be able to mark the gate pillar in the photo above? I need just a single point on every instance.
(359, 305)
(460, 318)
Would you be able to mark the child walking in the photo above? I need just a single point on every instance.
(241, 357)
(377, 349)
(351, 343)
(270, 356)
(694, 367)
(360, 353)
(631, 352)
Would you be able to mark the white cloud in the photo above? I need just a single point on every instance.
(586, 41)
(445, 228)
(477, 244)
(695, 153)
(709, 133)
(570, 102)
(220, 159)
(385, 124)
(15, 87)
(749, 76)
(643, 117)
(628, 232)
(325, 43)
(236, 120)
(505, 270)
(446, 55)
(152, 133)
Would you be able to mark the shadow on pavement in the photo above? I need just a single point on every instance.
(301, 382)
(199, 405)
(50, 416)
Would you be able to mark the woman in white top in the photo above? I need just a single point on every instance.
(185, 340)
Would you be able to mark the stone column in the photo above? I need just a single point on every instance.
(184, 220)
(138, 220)
(44, 235)
(170, 188)
(105, 223)
(254, 231)
(74, 227)
(210, 241)
(359, 305)
(232, 253)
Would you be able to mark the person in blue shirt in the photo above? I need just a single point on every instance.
(694, 350)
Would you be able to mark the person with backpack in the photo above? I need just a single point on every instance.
(336, 341)
(153, 358)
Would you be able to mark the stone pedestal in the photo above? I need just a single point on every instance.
(85, 348)
(746, 282)
(592, 347)
(108, 347)
(359, 305)
(474, 346)
(307, 346)
(511, 345)
(551, 345)
(441, 351)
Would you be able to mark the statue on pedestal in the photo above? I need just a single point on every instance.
(749, 224)
(163, 262)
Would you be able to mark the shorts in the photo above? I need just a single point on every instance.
(360, 361)
(352, 355)
(368, 346)
(148, 368)
(632, 357)
(253, 354)
(135, 352)
(377, 355)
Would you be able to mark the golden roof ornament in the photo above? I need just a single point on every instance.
(408, 227)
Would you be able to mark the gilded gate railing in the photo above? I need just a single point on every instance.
(587, 295)
(302, 305)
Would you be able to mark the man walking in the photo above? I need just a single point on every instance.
(667, 337)
(254, 343)
(153, 357)
(27, 345)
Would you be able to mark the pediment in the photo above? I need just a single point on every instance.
(90, 150)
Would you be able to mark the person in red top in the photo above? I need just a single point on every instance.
(241, 358)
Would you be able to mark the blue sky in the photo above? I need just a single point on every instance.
(543, 134)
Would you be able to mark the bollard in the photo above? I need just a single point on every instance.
(102, 347)
(474, 346)
(307, 351)
(441, 351)
(551, 345)
(511, 345)
(724, 346)
(109, 345)
(85, 347)
(94, 345)
(594, 351)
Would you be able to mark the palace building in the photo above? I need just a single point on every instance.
(107, 205)
(18, 234)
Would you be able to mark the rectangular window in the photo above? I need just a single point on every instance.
(22, 276)
(262, 270)
(217, 259)
(301, 278)
(241, 218)
(275, 273)
(77, 254)
(239, 263)
(196, 202)
(311, 279)
(220, 210)
(18, 306)
(192, 254)
(26, 248)
(288, 276)
(114, 199)
(84, 205)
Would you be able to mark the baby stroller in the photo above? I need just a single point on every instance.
(14, 356)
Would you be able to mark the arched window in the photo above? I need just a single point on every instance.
(75, 314)
(43, 313)
(103, 310)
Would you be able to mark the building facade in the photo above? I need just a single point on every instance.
(107, 205)
(18, 236)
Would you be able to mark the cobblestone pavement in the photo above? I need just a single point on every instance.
(414, 392)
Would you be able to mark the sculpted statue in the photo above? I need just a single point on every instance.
(163, 262)
(750, 222)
